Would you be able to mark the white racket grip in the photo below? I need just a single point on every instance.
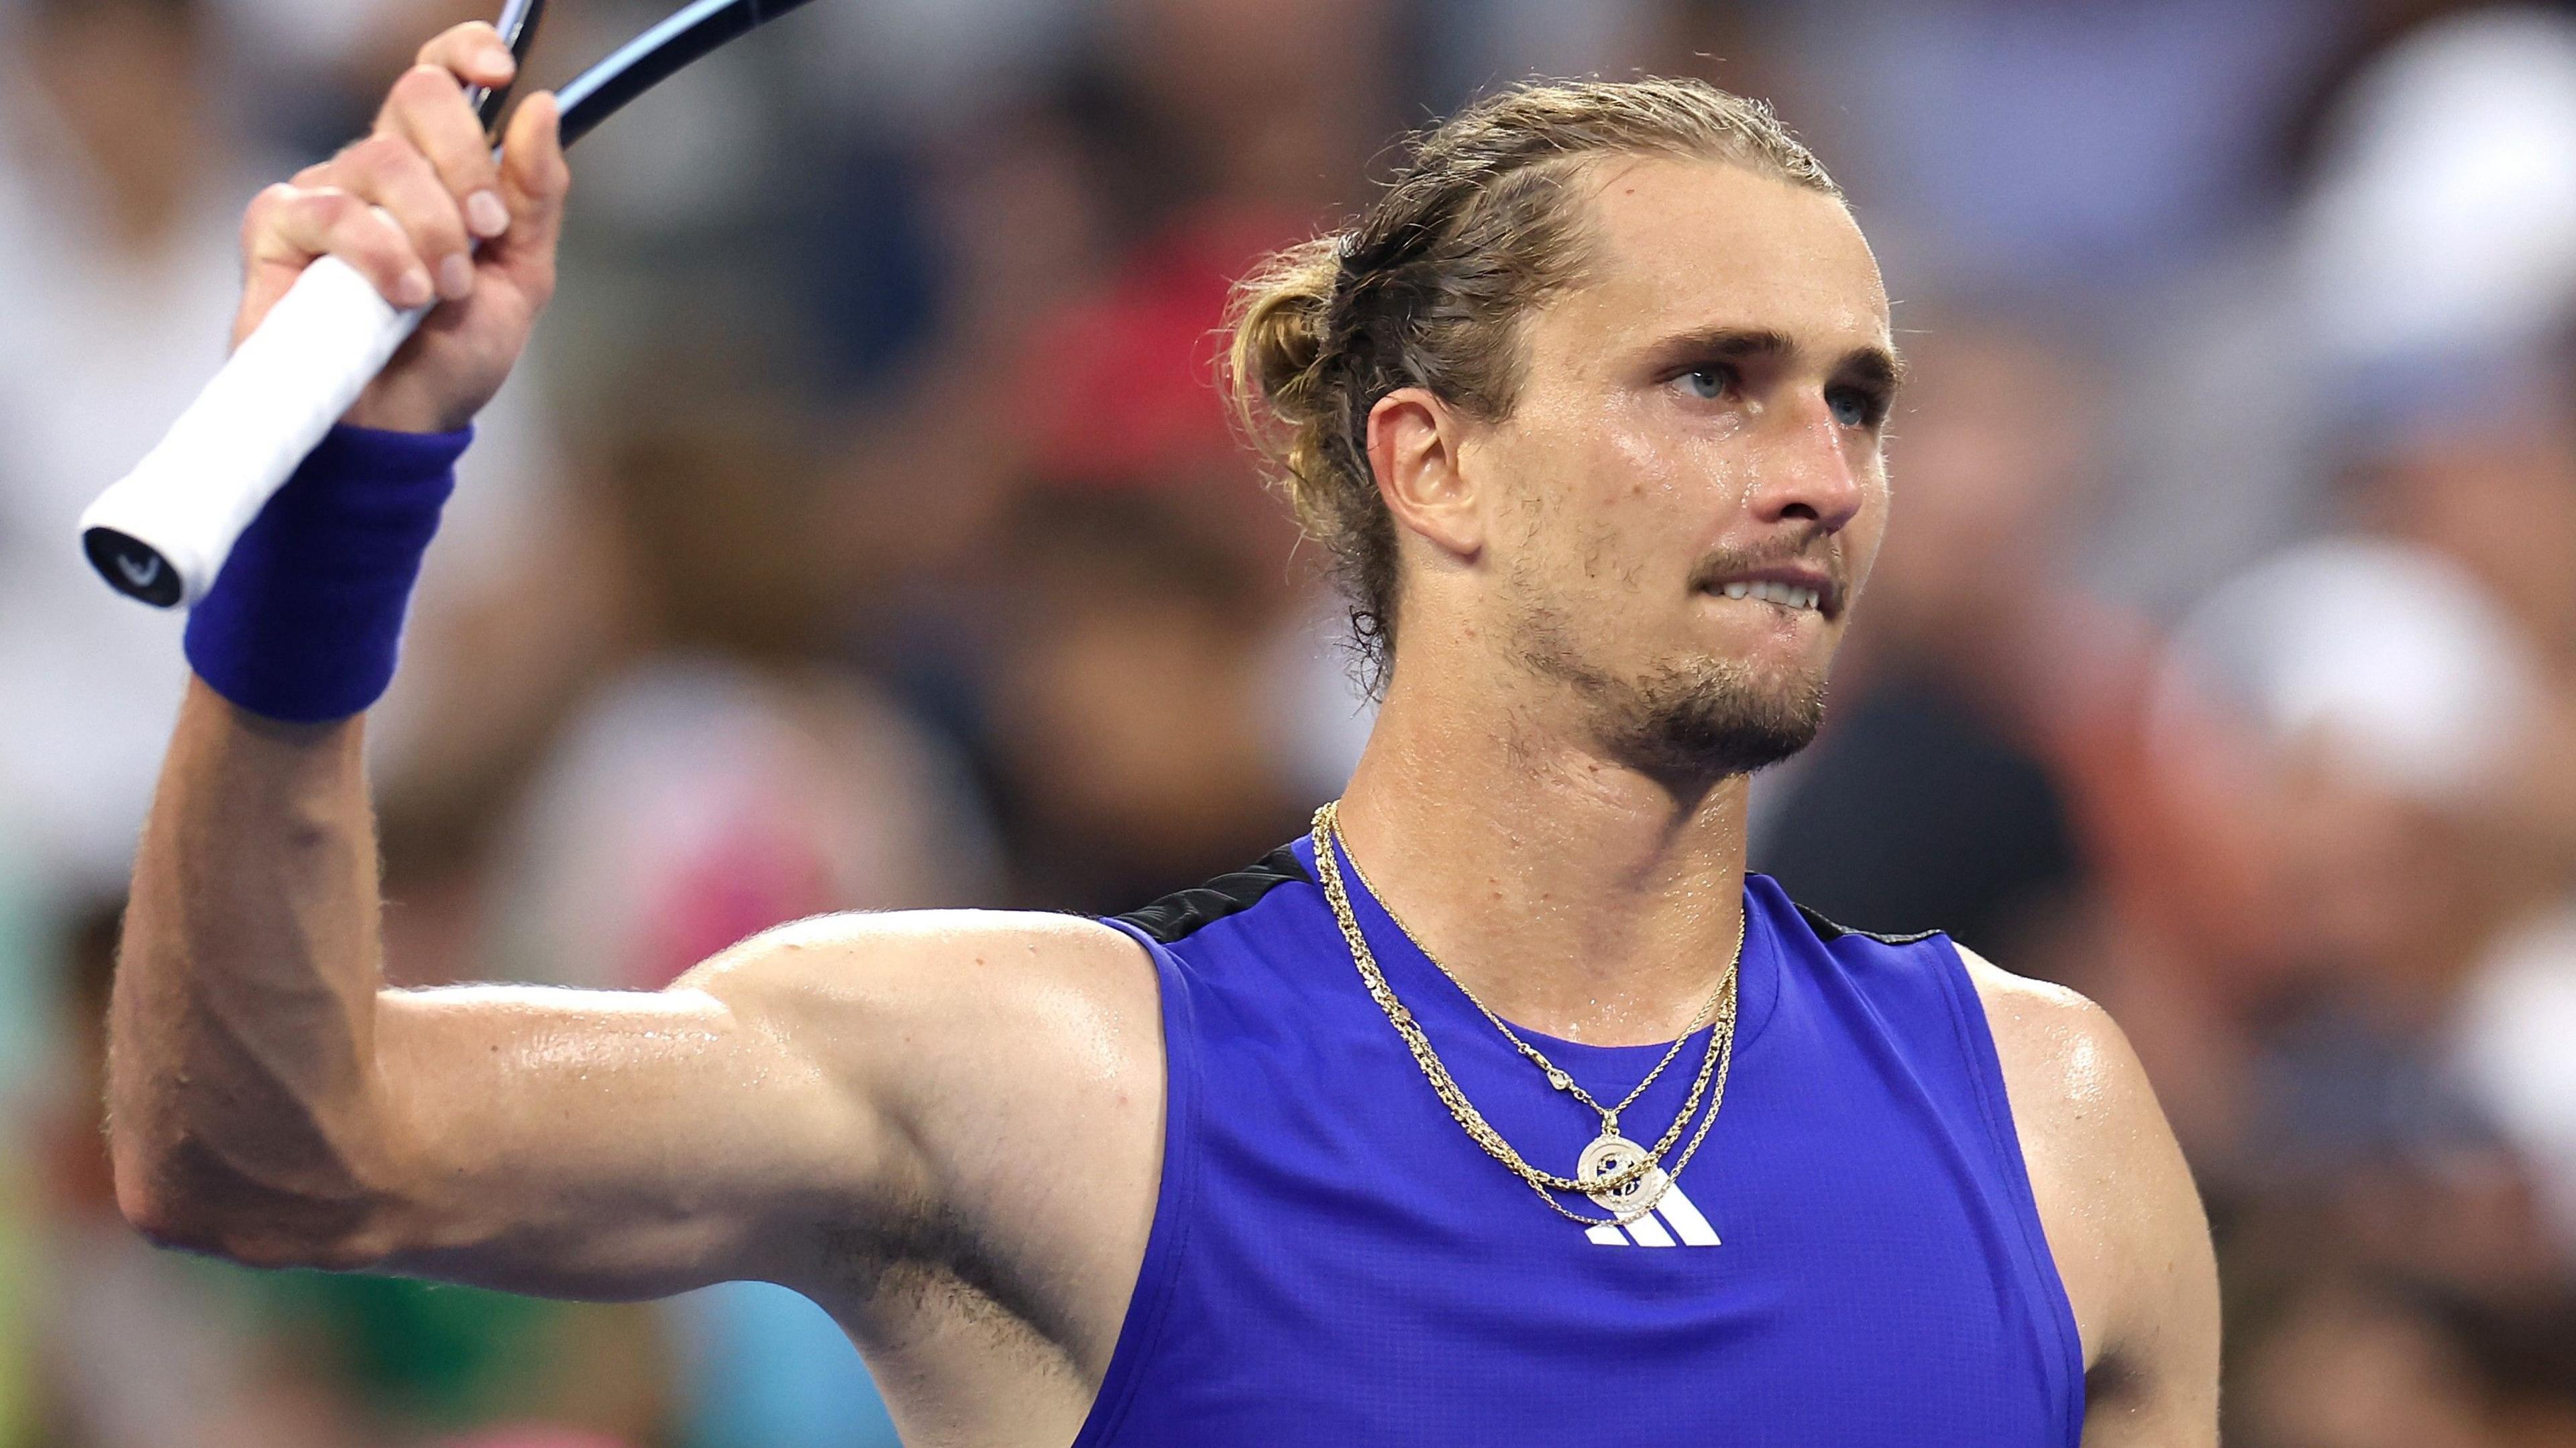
(162, 532)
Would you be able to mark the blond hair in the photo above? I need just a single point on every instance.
(1426, 290)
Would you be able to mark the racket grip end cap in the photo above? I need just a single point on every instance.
(133, 567)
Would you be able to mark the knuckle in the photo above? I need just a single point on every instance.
(270, 198)
(377, 153)
(424, 85)
(379, 225)
(266, 213)
(327, 206)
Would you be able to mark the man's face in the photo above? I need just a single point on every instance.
(1690, 487)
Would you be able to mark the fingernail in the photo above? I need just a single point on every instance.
(455, 278)
(413, 290)
(485, 212)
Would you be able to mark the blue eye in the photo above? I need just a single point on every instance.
(1852, 407)
(1708, 383)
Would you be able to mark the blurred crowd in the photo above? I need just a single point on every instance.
(864, 532)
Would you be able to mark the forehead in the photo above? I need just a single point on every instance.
(1683, 245)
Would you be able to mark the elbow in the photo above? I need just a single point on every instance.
(146, 1193)
(182, 1199)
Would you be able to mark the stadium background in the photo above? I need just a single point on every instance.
(863, 532)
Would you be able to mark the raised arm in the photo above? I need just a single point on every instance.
(272, 1102)
(819, 1104)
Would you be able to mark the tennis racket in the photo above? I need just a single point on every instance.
(162, 532)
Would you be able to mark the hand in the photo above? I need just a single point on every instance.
(403, 207)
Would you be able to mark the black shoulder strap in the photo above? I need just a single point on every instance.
(1828, 930)
(1176, 915)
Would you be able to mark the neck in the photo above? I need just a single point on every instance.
(1573, 894)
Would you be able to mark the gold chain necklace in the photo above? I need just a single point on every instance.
(1557, 1076)
(1619, 1175)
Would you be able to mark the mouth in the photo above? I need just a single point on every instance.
(1796, 590)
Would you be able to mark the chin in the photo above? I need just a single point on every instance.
(1713, 718)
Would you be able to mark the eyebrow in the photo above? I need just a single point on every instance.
(1872, 365)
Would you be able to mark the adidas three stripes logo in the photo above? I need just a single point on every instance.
(1675, 1222)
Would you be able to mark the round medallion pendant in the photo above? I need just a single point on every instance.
(1610, 1155)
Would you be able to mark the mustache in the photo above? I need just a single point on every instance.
(1817, 549)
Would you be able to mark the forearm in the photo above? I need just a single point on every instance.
(242, 1088)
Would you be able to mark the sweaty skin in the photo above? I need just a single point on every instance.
(946, 1128)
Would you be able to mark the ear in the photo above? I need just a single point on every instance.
(1413, 447)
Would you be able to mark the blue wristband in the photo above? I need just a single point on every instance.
(304, 621)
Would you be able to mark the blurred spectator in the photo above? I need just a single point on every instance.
(2443, 221)
(727, 775)
(2374, 1364)
(121, 187)
(2063, 153)
(2392, 707)
(1475, 46)
(1134, 643)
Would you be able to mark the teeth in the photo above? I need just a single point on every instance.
(1787, 595)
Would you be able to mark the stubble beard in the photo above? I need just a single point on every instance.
(1689, 723)
(1707, 720)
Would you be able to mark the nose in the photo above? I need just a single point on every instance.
(1811, 472)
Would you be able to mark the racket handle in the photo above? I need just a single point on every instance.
(161, 533)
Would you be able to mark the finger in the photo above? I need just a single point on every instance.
(386, 170)
(473, 53)
(291, 226)
(535, 178)
(426, 108)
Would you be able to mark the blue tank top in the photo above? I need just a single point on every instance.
(1853, 1258)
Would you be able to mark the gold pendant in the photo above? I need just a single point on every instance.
(1607, 1156)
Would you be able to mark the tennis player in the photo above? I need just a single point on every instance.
(1504, 1107)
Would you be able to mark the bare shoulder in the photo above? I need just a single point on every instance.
(2123, 1218)
(943, 961)
(2062, 1055)
(935, 1013)
(1018, 1060)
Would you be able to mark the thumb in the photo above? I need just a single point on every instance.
(534, 180)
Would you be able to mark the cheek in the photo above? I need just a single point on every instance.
(1863, 536)
(1647, 455)
(1582, 479)
(1670, 492)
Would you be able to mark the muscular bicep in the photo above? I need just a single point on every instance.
(832, 1080)
(613, 1144)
